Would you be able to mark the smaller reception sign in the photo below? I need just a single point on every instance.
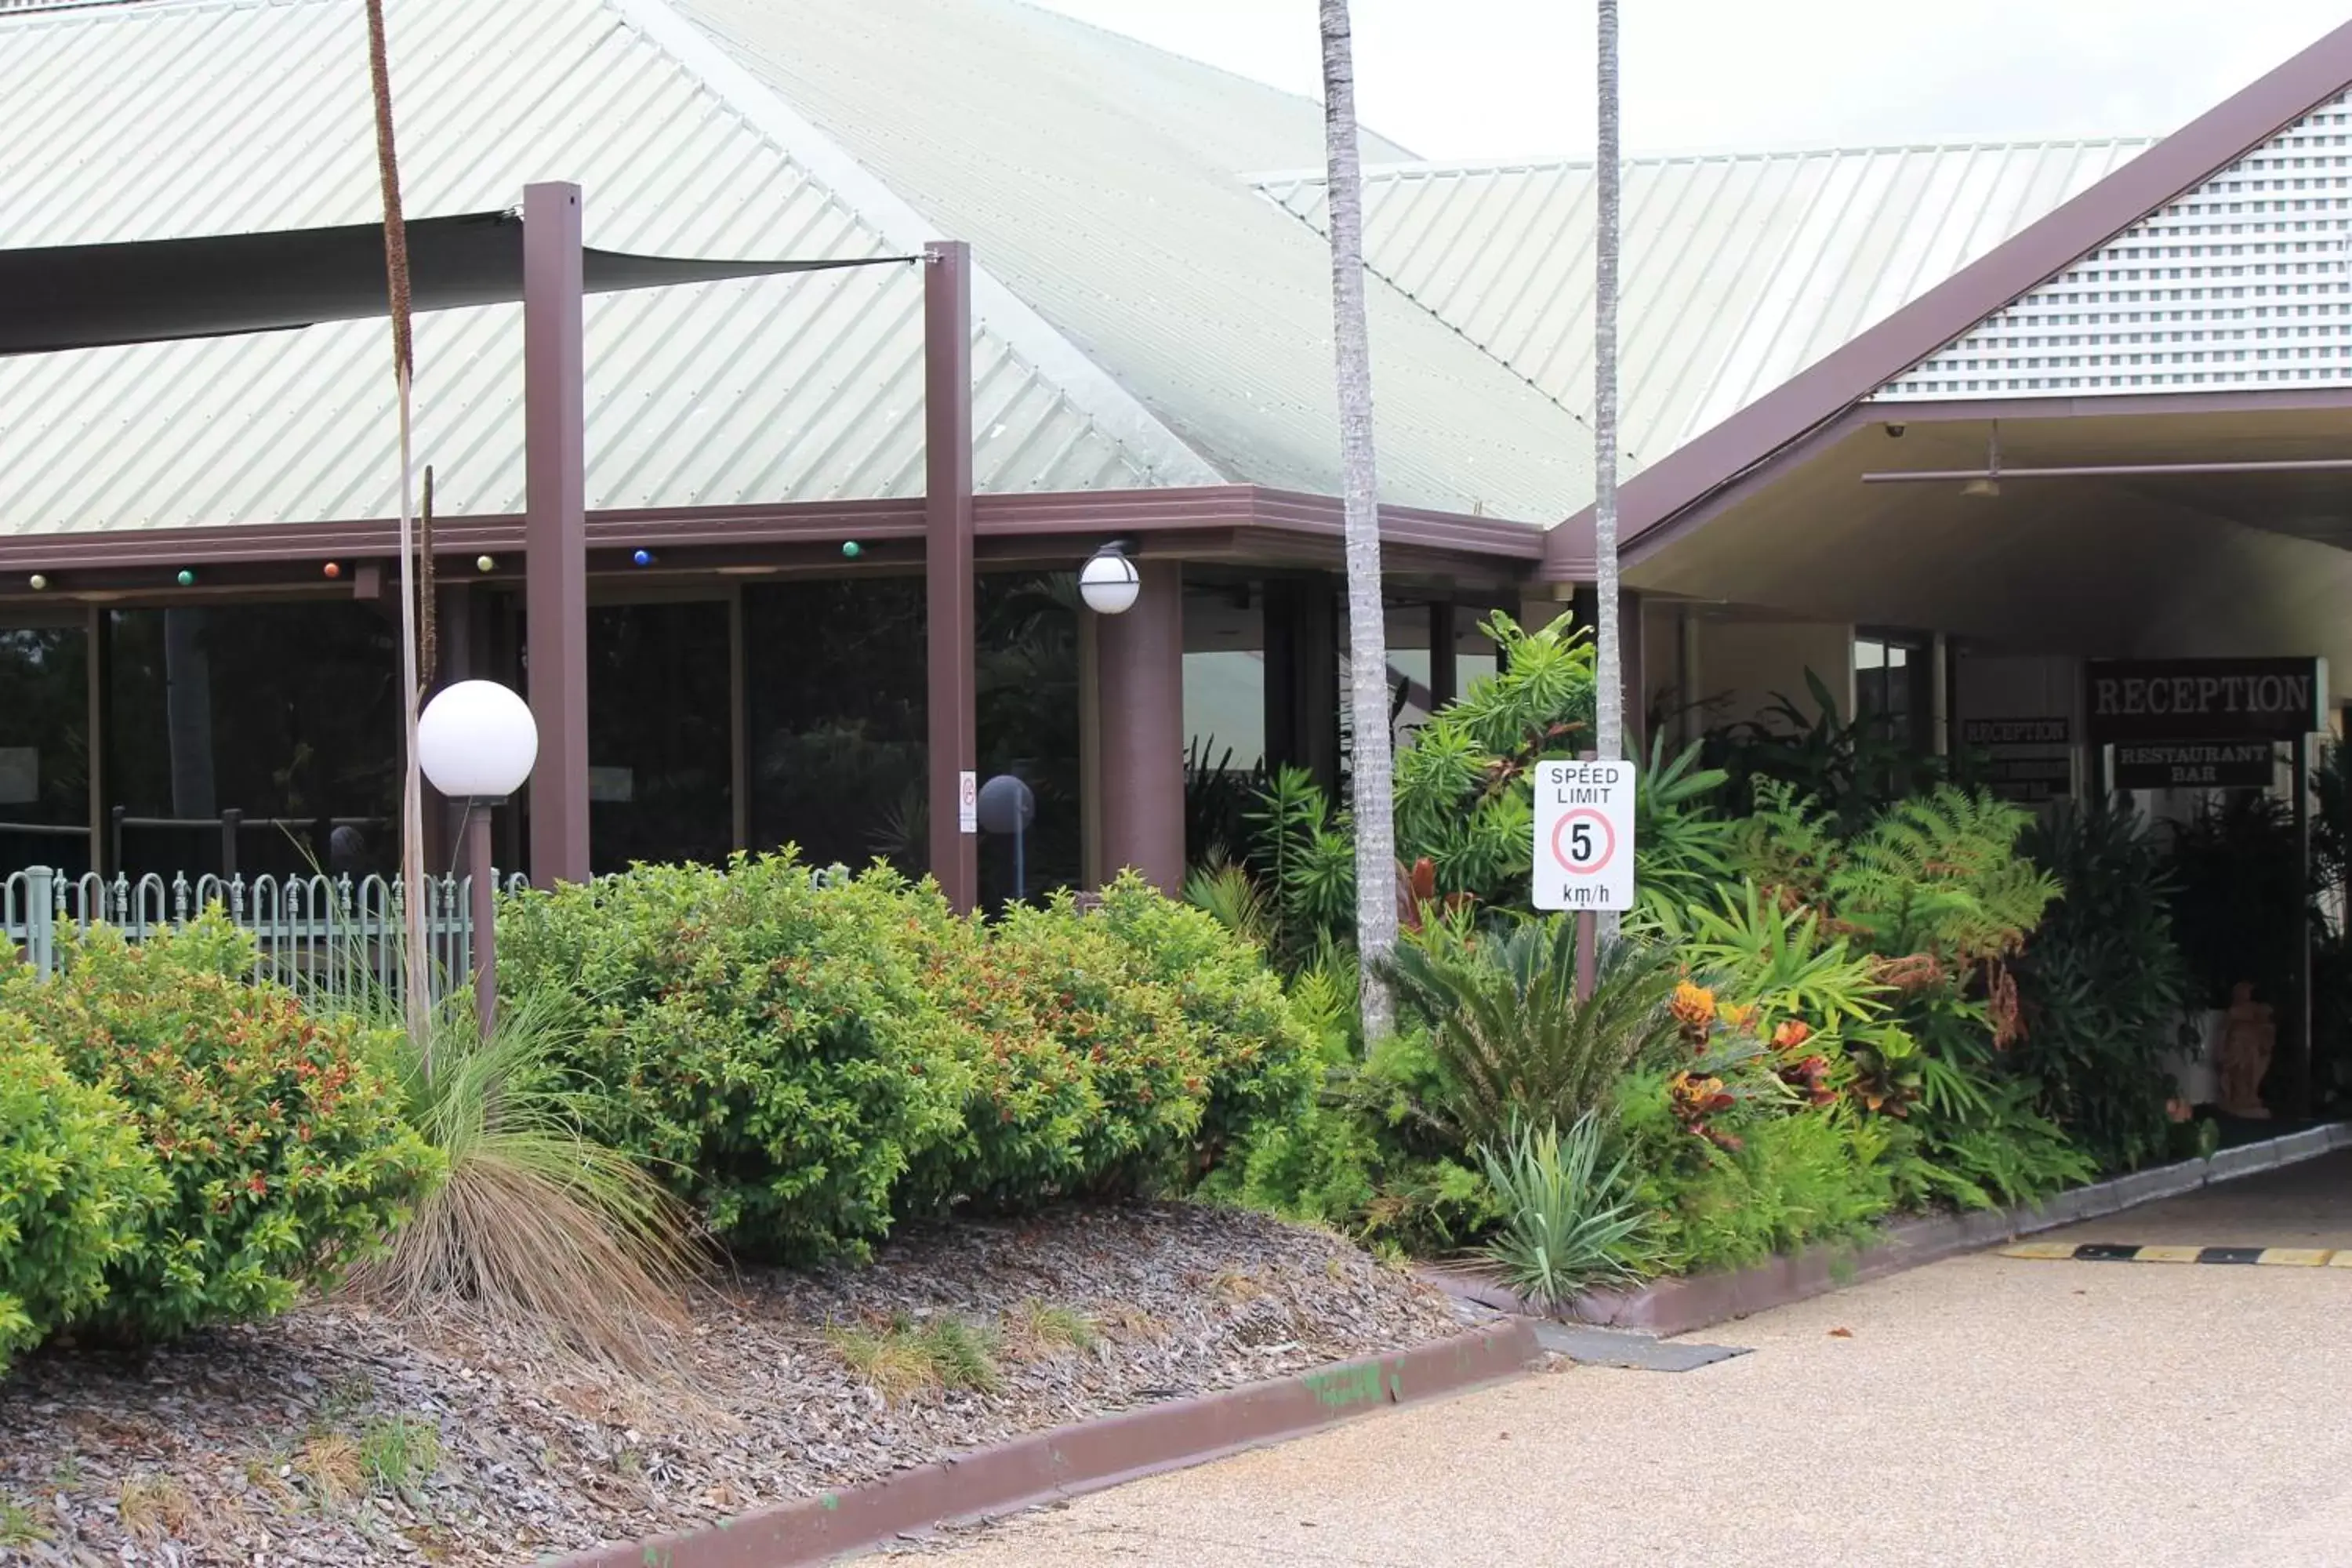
(2204, 699)
(2196, 765)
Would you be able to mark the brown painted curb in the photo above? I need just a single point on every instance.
(1665, 1307)
(1082, 1457)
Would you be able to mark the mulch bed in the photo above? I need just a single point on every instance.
(332, 1435)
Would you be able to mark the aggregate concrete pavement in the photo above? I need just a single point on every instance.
(2307, 1205)
(1984, 1412)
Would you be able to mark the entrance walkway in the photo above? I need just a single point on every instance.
(1985, 1412)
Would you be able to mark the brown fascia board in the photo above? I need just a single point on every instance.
(1657, 501)
(1165, 520)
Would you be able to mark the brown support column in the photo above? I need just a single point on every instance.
(949, 589)
(1141, 680)
(1632, 639)
(1442, 677)
(100, 666)
(556, 530)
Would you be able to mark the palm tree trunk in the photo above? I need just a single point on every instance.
(1367, 657)
(1609, 678)
(414, 983)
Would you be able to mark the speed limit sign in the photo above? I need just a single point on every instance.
(1584, 835)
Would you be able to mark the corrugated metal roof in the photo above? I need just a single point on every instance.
(1109, 193)
(219, 115)
(1739, 270)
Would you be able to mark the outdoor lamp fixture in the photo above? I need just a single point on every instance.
(476, 741)
(1108, 582)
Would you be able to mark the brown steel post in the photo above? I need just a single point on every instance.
(99, 631)
(1441, 676)
(483, 903)
(1143, 712)
(555, 582)
(949, 589)
(1629, 643)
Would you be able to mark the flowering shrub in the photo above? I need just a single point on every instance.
(769, 1047)
(808, 1062)
(76, 1185)
(281, 1151)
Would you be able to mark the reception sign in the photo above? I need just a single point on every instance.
(2204, 699)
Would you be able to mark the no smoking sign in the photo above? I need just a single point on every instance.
(1584, 835)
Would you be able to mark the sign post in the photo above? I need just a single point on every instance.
(1584, 846)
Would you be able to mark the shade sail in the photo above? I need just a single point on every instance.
(156, 290)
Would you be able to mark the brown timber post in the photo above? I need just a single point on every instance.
(949, 591)
(555, 580)
(1142, 707)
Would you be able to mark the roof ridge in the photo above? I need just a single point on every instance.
(1656, 500)
(1105, 401)
(1565, 162)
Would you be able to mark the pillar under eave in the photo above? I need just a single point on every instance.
(1140, 676)
(950, 591)
(555, 580)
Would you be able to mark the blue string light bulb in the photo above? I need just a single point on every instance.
(642, 557)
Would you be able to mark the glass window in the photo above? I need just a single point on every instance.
(1026, 698)
(660, 750)
(1891, 676)
(44, 757)
(834, 689)
(288, 715)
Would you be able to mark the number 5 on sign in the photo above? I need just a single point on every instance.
(1584, 835)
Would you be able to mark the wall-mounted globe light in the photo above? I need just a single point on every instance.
(1109, 583)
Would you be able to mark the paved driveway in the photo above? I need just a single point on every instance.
(1984, 1412)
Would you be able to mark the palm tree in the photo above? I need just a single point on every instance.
(414, 982)
(1609, 699)
(1368, 659)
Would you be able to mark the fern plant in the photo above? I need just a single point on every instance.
(1940, 875)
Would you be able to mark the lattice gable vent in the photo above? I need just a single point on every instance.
(2242, 282)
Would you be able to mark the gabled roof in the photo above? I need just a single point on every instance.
(1740, 269)
(1666, 491)
(1102, 362)
(1112, 200)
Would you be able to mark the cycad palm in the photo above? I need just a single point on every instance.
(1511, 1043)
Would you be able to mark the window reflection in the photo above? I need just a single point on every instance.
(43, 768)
(660, 746)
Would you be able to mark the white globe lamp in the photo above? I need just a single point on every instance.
(477, 741)
(1109, 583)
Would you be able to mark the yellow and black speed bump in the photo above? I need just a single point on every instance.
(2113, 1252)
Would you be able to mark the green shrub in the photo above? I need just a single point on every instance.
(276, 1131)
(769, 1047)
(1084, 1078)
(1258, 1051)
(76, 1187)
(2103, 985)
(807, 1063)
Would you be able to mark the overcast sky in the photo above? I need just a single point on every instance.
(1480, 78)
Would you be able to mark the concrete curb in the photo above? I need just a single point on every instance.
(1669, 1307)
(1083, 1458)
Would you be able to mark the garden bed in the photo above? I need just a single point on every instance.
(331, 1436)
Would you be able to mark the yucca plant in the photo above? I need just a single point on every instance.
(1568, 1223)
(535, 1224)
(1510, 1041)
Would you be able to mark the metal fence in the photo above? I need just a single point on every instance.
(329, 938)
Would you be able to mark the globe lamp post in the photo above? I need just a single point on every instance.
(476, 741)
